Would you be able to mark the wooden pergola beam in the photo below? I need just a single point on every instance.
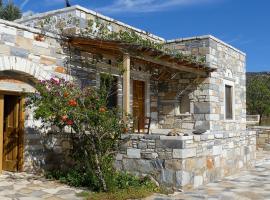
(144, 54)
(172, 65)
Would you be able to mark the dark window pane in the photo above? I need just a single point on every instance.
(108, 83)
(228, 102)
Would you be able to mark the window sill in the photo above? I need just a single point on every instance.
(183, 115)
(229, 120)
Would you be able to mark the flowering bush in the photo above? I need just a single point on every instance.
(95, 129)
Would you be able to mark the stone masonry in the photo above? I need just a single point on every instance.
(262, 137)
(187, 161)
(174, 100)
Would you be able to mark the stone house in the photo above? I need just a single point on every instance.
(179, 97)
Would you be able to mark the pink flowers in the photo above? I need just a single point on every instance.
(55, 81)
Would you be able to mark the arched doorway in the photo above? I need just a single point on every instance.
(13, 87)
(17, 77)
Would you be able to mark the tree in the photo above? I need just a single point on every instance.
(258, 96)
(9, 11)
(95, 130)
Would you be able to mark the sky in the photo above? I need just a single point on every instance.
(244, 24)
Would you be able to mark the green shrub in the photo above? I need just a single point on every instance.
(120, 180)
(95, 129)
(74, 177)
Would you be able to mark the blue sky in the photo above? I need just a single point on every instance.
(244, 24)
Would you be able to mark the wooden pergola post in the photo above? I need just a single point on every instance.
(126, 84)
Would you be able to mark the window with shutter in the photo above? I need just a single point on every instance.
(228, 102)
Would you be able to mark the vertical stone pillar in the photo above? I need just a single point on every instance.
(126, 83)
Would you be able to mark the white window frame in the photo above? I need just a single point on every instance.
(232, 84)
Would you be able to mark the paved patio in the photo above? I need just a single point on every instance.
(23, 186)
(248, 185)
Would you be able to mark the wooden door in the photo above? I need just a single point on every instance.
(11, 139)
(139, 105)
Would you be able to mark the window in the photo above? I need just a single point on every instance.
(228, 102)
(185, 104)
(109, 83)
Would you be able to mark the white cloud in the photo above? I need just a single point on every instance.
(141, 6)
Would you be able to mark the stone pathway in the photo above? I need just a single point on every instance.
(247, 185)
(23, 186)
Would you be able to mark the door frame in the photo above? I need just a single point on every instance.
(144, 103)
(21, 128)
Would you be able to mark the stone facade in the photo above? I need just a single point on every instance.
(76, 18)
(263, 137)
(23, 61)
(174, 99)
(230, 67)
(187, 161)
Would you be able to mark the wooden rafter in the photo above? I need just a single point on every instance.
(147, 55)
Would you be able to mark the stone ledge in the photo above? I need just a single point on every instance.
(184, 153)
(195, 138)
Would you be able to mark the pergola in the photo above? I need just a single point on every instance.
(138, 53)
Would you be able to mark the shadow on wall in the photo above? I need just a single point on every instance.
(46, 151)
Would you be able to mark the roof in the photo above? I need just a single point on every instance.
(88, 11)
(205, 37)
(111, 20)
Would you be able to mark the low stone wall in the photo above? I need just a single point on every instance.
(187, 161)
(46, 152)
(263, 137)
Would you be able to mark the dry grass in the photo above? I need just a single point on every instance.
(123, 194)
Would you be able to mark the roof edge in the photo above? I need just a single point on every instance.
(27, 28)
(206, 37)
(77, 7)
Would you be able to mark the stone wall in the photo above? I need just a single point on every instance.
(174, 161)
(263, 137)
(25, 58)
(187, 161)
(230, 67)
(24, 43)
(44, 150)
(175, 101)
(76, 18)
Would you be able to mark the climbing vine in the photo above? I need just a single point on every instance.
(97, 29)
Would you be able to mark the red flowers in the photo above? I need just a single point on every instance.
(102, 109)
(65, 94)
(69, 122)
(125, 130)
(64, 118)
(72, 103)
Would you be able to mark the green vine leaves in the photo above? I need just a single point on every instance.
(96, 28)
